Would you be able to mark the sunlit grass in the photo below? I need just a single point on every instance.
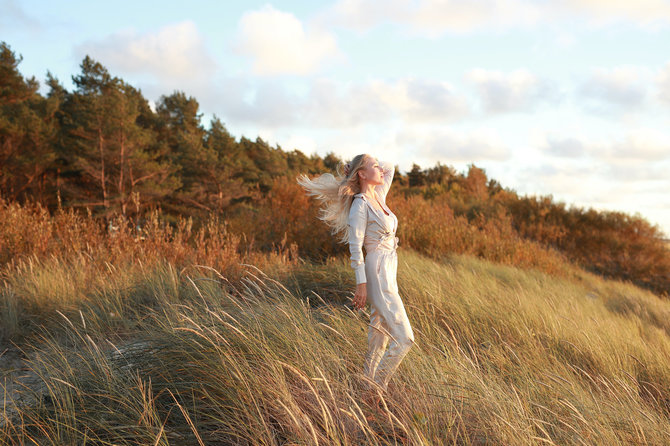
(152, 354)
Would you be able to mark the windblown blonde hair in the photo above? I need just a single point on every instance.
(336, 195)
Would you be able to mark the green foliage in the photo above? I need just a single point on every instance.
(416, 176)
(27, 133)
(109, 150)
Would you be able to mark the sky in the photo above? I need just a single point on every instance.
(568, 98)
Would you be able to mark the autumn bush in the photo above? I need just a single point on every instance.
(30, 232)
(288, 217)
(285, 217)
(613, 244)
(430, 227)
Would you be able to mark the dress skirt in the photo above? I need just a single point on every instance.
(388, 319)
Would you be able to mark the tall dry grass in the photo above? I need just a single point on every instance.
(503, 356)
(67, 259)
(173, 335)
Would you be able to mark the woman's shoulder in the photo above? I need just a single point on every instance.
(359, 200)
(358, 204)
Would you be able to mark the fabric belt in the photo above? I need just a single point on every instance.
(380, 247)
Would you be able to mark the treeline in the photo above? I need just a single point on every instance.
(103, 149)
(614, 244)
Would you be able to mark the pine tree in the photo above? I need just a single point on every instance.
(111, 150)
(224, 182)
(27, 132)
(179, 129)
(416, 176)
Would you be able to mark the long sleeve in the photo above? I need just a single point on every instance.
(389, 171)
(358, 220)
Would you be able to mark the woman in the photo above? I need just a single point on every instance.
(355, 207)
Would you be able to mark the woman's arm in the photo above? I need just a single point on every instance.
(389, 171)
(358, 220)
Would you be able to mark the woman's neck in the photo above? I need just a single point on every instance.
(368, 190)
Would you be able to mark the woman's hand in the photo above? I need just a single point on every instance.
(347, 169)
(361, 296)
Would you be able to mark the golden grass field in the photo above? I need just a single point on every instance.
(147, 352)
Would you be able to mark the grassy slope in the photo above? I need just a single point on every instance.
(147, 354)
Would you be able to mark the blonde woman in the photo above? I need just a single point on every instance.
(354, 206)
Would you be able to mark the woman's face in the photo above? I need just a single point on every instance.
(371, 172)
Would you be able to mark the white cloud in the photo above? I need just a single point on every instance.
(569, 182)
(448, 146)
(280, 44)
(642, 12)
(425, 100)
(564, 147)
(619, 88)
(13, 15)
(642, 147)
(378, 100)
(518, 90)
(270, 104)
(327, 103)
(614, 188)
(173, 53)
(435, 17)
(649, 176)
(364, 14)
(663, 84)
(332, 104)
(300, 142)
(565, 40)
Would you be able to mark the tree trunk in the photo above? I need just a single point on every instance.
(101, 148)
(122, 167)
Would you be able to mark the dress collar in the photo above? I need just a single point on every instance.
(381, 216)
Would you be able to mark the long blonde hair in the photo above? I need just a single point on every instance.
(336, 195)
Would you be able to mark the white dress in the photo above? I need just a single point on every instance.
(374, 229)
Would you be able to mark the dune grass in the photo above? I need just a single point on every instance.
(138, 353)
